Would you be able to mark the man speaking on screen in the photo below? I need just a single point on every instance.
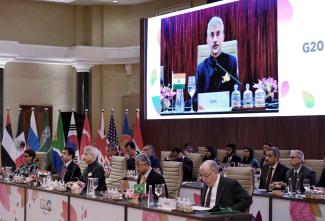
(218, 72)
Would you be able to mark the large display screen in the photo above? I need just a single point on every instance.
(245, 58)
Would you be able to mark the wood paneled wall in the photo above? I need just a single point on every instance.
(305, 133)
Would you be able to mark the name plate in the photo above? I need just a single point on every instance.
(167, 204)
(214, 102)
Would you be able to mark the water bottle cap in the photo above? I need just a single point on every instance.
(247, 86)
(236, 87)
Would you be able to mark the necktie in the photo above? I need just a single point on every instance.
(208, 199)
(294, 181)
(268, 178)
(63, 172)
(143, 179)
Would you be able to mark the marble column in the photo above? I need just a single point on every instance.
(83, 87)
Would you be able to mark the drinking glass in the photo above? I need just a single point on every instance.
(306, 184)
(158, 190)
(91, 186)
(8, 171)
(191, 87)
(95, 184)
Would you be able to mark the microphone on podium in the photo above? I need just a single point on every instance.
(232, 76)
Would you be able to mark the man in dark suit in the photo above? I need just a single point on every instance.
(149, 150)
(264, 149)
(273, 170)
(132, 153)
(93, 169)
(177, 155)
(321, 182)
(71, 170)
(219, 191)
(299, 171)
(219, 71)
(231, 157)
(147, 174)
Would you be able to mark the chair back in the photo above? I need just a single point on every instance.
(118, 171)
(201, 150)
(285, 162)
(40, 159)
(258, 154)
(197, 161)
(173, 174)
(221, 153)
(240, 153)
(316, 165)
(284, 153)
(164, 154)
(229, 47)
(244, 175)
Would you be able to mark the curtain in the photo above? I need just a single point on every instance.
(253, 23)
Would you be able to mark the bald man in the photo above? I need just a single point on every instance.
(219, 191)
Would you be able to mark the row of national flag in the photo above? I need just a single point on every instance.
(12, 148)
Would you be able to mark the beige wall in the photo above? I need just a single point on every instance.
(39, 84)
(67, 25)
(123, 31)
(31, 22)
(109, 85)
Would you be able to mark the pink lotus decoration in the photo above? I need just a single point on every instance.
(269, 85)
(166, 95)
(4, 196)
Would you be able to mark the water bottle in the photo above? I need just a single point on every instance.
(178, 203)
(150, 202)
(298, 190)
(235, 97)
(289, 187)
(48, 177)
(179, 104)
(248, 98)
(256, 181)
(163, 192)
(260, 97)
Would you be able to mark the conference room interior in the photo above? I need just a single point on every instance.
(90, 57)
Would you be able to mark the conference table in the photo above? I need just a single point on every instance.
(268, 206)
(20, 202)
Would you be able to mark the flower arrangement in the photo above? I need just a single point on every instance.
(166, 95)
(269, 85)
(77, 187)
(33, 179)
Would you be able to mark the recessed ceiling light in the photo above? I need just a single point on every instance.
(115, 1)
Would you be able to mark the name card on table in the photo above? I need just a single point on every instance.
(214, 102)
(167, 204)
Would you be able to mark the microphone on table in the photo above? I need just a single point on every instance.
(232, 76)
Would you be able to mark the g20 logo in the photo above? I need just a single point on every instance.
(46, 205)
(313, 46)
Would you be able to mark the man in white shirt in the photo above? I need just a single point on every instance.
(220, 191)
(273, 170)
(299, 171)
(147, 174)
